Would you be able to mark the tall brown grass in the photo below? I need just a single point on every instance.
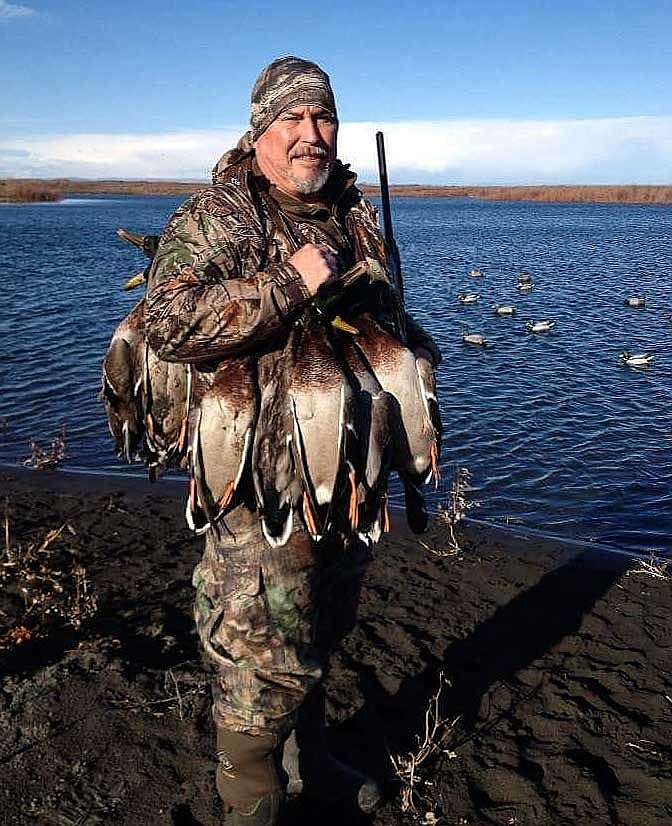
(611, 194)
(29, 191)
(52, 190)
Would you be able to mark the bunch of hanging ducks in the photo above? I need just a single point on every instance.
(319, 423)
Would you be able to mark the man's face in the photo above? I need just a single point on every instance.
(297, 151)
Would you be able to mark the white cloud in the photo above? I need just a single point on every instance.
(9, 11)
(607, 150)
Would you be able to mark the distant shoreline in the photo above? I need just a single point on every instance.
(31, 190)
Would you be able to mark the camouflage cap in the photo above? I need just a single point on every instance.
(287, 82)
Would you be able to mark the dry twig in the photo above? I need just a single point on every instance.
(49, 580)
(50, 457)
(455, 508)
(437, 732)
(654, 566)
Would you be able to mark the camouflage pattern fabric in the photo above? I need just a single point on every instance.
(268, 618)
(220, 288)
(220, 284)
(288, 82)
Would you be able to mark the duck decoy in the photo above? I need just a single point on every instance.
(504, 309)
(525, 286)
(524, 277)
(636, 359)
(638, 301)
(474, 338)
(468, 298)
(540, 326)
(476, 273)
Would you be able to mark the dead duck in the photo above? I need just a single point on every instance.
(167, 398)
(504, 309)
(638, 301)
(122, 382)
(417, 424)
(222, 423)
(146, 399)
(468, 298)
(635, 359)
(304, 452)
(540, 326)
(377, 410)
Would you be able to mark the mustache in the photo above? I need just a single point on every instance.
(309, 152)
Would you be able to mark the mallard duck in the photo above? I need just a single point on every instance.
(305, 448)
(636, 359)
(417, 431)
(635, 301)
(540, 326)
(222, 422)
(474, 338)
(476, 273)
(146, 399)
(167, 397)
(468, 298)
(147, 243)
(504, 309)
(377, 411)
(122, 382)
(525, 286)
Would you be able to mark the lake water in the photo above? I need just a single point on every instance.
(556, 433)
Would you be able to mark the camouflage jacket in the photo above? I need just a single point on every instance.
(220, 284)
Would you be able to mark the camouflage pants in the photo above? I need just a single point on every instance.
(268, 619)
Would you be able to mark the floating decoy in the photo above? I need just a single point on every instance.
(525, 286)
(504, 309)
(636, 359)
(468, 298)
(524, 277)
(635, 301)
(474, 338)
(540, 326)
(476, 273)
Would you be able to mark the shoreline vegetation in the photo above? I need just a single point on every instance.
(32, 190)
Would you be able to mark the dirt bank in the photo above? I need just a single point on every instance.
(558, 662)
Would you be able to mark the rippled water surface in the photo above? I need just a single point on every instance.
(557, 434)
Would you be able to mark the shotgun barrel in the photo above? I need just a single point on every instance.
(387, 212)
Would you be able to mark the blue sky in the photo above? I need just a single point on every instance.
(489, 92)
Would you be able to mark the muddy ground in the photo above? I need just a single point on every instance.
(559, 664)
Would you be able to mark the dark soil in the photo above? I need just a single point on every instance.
(559, 667)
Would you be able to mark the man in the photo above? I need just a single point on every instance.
(232, 293)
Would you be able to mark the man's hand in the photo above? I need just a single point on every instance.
(317, 265)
